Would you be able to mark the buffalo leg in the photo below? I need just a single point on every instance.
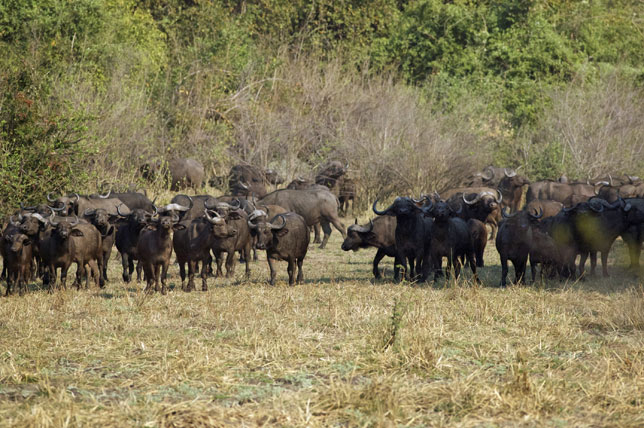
(519, 270)
(63, 277)
(471, 258)
(456, 263)
(533, 268)
(125, 262)
(291, 271)
(340, 226)
(300, 274)
(376, 260)
(412, 268)
(272, 268)
(149, 278)
(191, 275)
(96, 272)
(139, 268)
(204, 276)
(316, 231)
(582, 263)
(326, 228)
(164, 275)
(230, 264)
(604, 256)
(593, 262)
(504, 270)
(182, 273)
(634, 250)
(247, 252)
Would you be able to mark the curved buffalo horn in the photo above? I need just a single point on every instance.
(77, 196)
(427, 209)
(460, 209)
(235, 205)
(346, 166)
(105, 196)
(510, 174)
(49, 198)
(210, 203)
(24, 208)
(257, 213)
(242, 185)
(473, 201)
(272, 226)
(251, 225)
(51, 220)
(40, 218)
(610, 179)
(362, 229)
(598, 186)
(596, 205)
(216, 219)
(490, 173)
(421, 199)
(13, 222)
(536, 215)
(375, 210)
(75, 222)
(504, 213)
(91, 211)
(566, 210)
(500, 198)
(56, 209)
(118, 210)
(633, 178)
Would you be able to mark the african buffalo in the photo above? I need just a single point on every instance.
(379, 233)
(450, 238)
(480, 203)
(181, 172)
(316, 206)
(413, 236)
(286, 237)
(18, 260)
(514, 240)
(633, 236)
(154, 248)
(192, 245)
(568, 194)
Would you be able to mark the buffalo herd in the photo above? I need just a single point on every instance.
(561, 224)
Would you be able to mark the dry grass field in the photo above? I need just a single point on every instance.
(339, 350)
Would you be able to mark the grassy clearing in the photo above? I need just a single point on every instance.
(338, 350)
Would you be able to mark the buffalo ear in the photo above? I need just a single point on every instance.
(370, 236)
(26, 242)
(179, 226)
(282, 232)
(76, 232)
(233, 216)
(7, 238)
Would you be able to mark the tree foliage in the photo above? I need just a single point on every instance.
(90, 88)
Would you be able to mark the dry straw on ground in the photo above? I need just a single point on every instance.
(338, 350)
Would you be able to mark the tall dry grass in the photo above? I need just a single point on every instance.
(337, 350)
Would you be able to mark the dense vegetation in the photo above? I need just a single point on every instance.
(414, 89)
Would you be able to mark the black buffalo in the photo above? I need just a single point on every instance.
(285, 237)
(380, 233)
(413, 236)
